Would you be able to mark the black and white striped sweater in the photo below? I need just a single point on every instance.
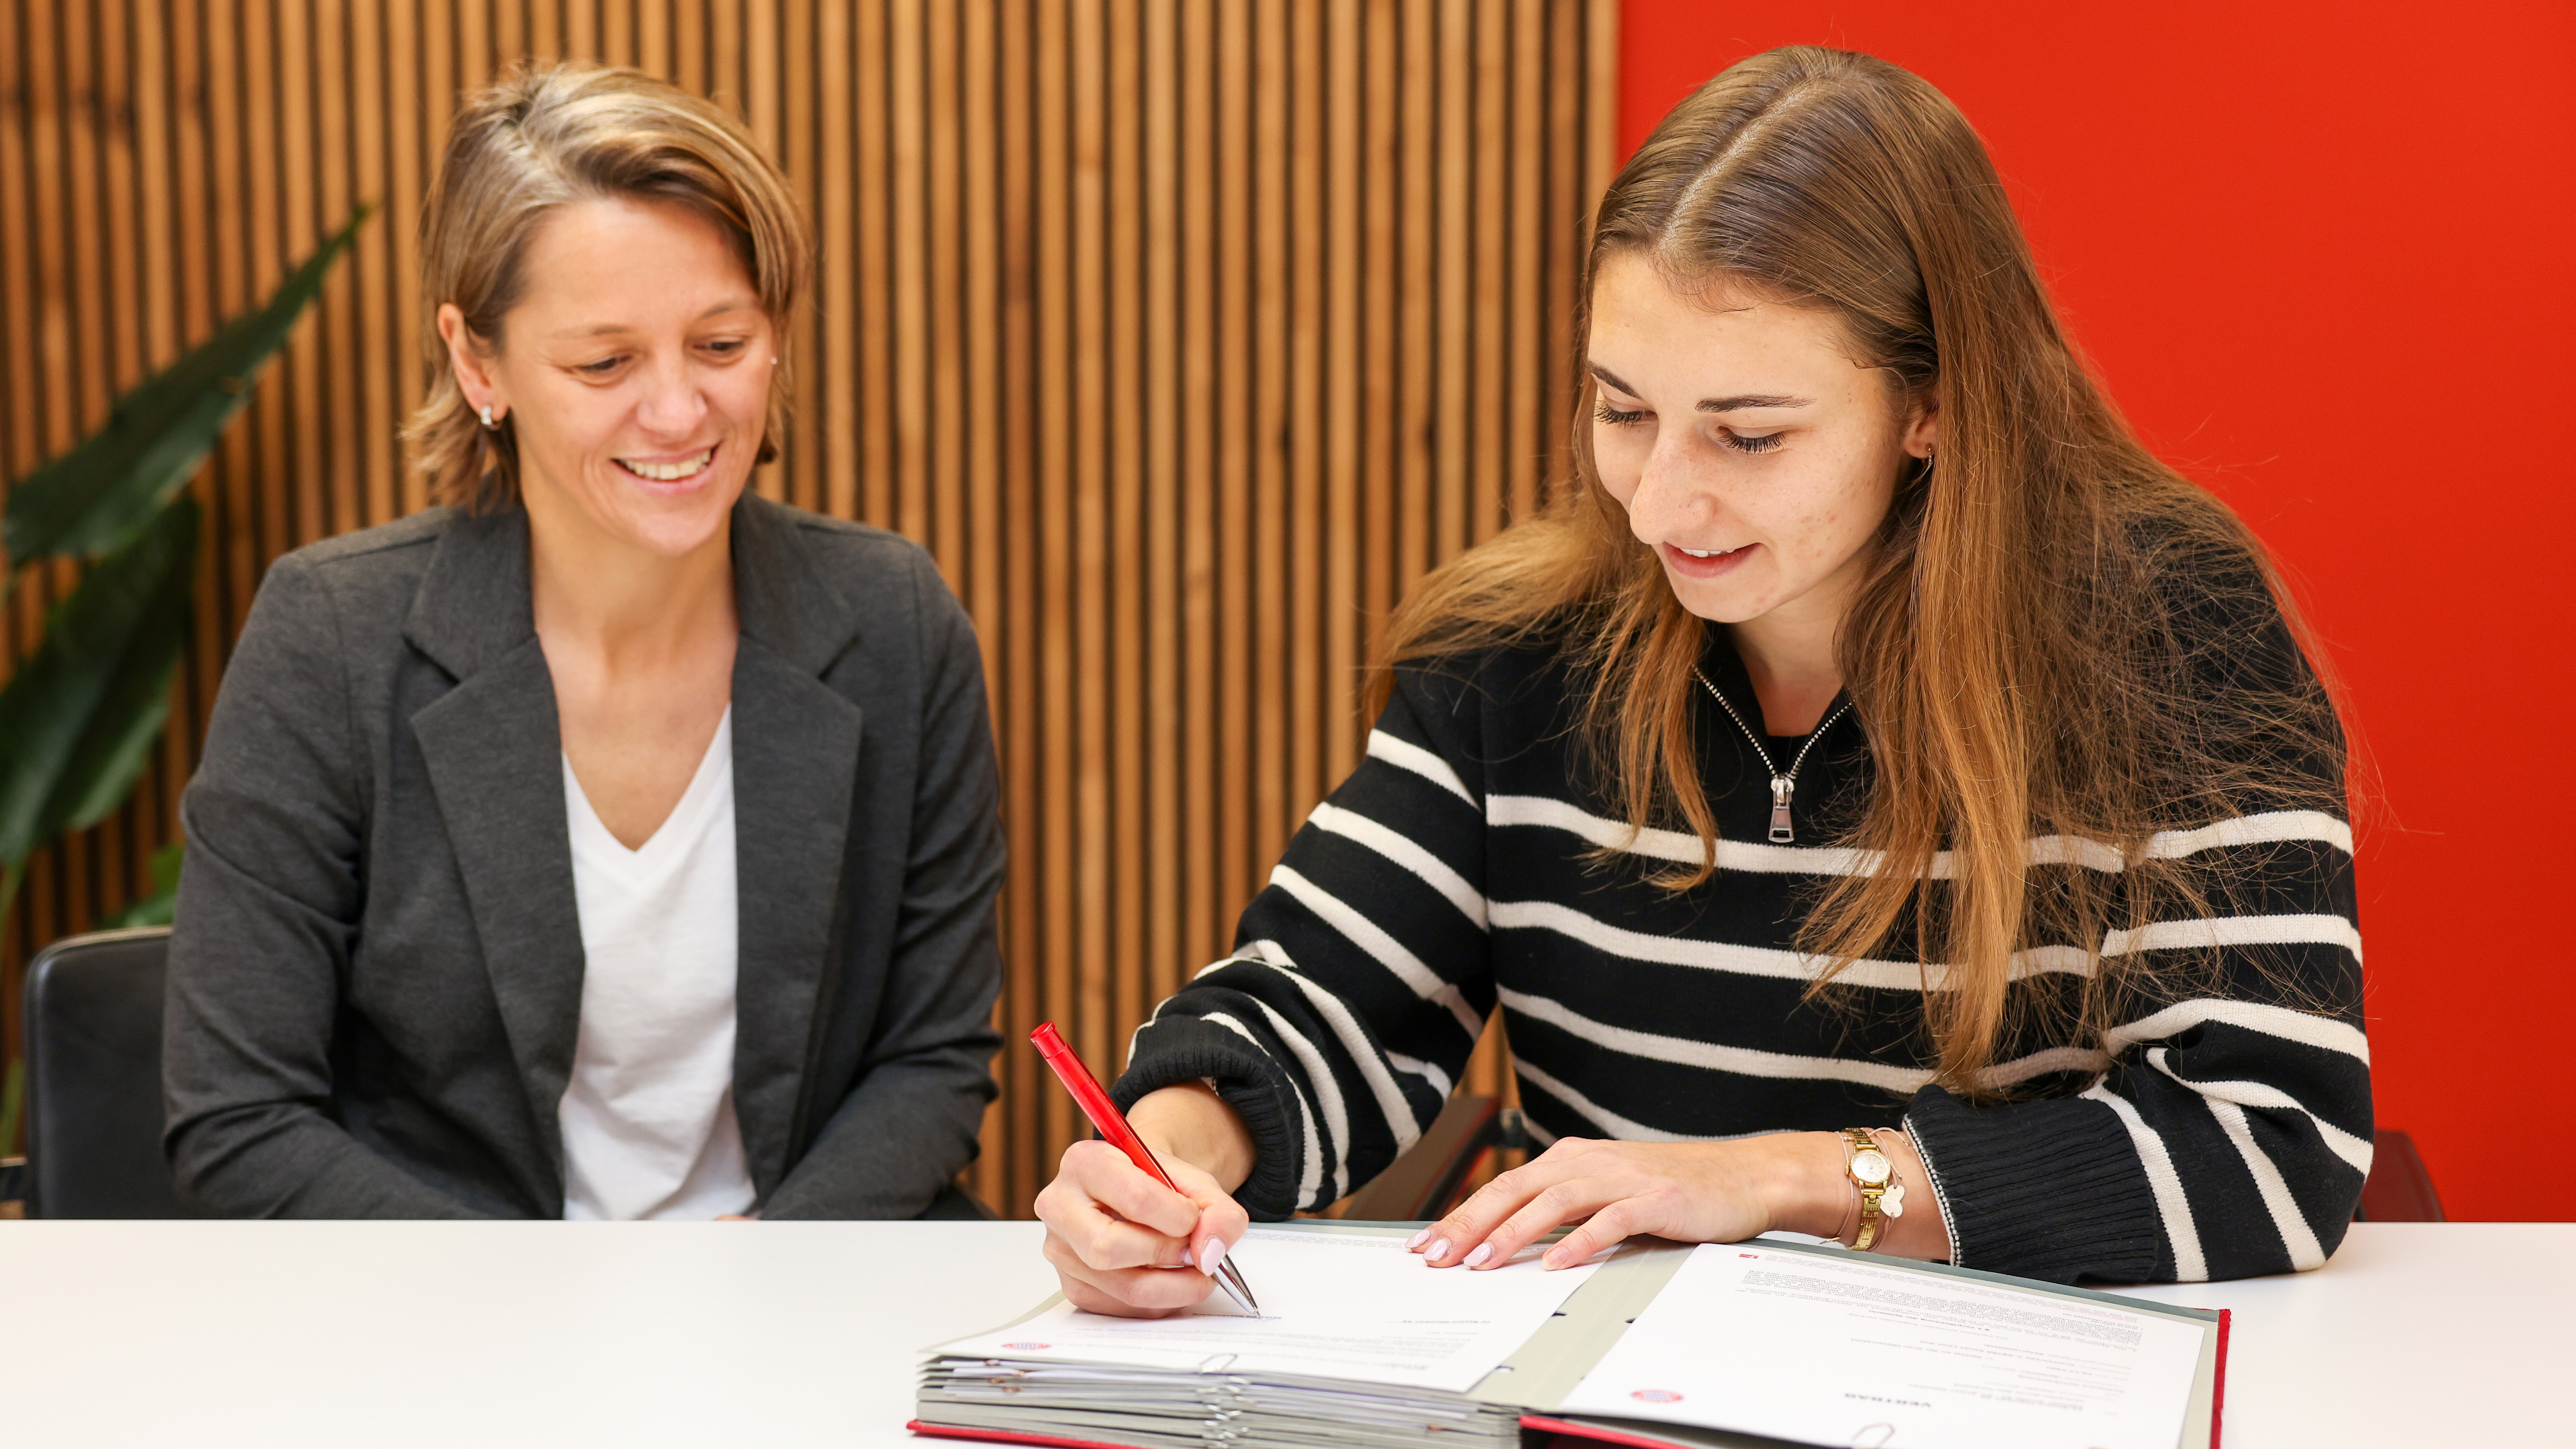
(2216, 1133)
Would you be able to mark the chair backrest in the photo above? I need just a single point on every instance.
(94, 1110)
(1428, 1179)
(2399, 1188)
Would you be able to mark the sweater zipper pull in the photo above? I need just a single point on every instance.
(1783, 782)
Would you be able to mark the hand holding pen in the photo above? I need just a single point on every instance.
(1120, 1220)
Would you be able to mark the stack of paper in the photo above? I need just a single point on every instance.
(1360, 1344)
(1069, 1404)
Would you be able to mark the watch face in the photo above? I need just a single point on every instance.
(1869, 1167)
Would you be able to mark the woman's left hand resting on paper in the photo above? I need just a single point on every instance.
(1125, 1244)
(1692, 1192)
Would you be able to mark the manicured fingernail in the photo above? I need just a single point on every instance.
(1477, 1258)
(1185, 1259)
(1212, 1256)
(1437, 1250)
(1416, 1240)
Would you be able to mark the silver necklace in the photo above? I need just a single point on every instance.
(1783, 785)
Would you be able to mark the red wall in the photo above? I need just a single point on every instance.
(2323, 254)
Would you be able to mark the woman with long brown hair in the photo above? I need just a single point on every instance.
(1885, 801)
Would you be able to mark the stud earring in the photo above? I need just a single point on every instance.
(487, 416)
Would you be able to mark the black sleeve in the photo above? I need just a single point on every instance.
(2230, 1130)
(268, 906)
(1360, 977)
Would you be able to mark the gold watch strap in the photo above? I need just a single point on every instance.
(1870, 1170)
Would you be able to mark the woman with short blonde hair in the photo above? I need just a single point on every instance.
(550, 136)
(608, 841)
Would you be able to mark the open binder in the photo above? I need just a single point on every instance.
(1661, 1317)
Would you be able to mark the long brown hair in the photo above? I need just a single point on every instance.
(2033, 651)
(549, 133)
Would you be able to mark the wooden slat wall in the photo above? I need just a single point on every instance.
(1185, 334)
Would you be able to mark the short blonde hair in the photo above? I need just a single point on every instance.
(548, 134)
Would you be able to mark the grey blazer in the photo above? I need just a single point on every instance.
(375, 981)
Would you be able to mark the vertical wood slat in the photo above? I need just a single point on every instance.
(1018, 1120)
(1050, 825)
(1086, 439)
(983, 341)
(1194, 894)
(1164, 941)
(1186, 336)
(91, 50)
(1124, 559)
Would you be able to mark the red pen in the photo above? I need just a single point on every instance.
(1104, 1114)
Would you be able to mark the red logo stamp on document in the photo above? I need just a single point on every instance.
(1655, 1396)
(1027, 1345)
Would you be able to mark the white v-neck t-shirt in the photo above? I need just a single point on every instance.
(648, 1121)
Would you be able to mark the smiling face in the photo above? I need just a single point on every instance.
(635, 369)
(1752, 453)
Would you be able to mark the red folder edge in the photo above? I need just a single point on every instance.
(1605, 1435)
(1595, 1432)
(2218, 1379)
(1005, 1436)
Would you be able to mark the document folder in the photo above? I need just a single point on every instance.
(1642, 1354)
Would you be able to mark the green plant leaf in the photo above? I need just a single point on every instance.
(154, 909)
(90, 501)
(79, 718)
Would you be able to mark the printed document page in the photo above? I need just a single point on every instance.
(1335, 1305)
(1839, 1349)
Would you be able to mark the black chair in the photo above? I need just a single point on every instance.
(1432, 1174)
(93, 1027)
(2399, 1189)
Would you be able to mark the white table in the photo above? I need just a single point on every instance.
(557, 1335)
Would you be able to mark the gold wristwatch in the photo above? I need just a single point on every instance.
(1881, 1196)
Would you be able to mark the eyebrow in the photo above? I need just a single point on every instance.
(1715, 404)
(605, 329)
(1752, 400)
